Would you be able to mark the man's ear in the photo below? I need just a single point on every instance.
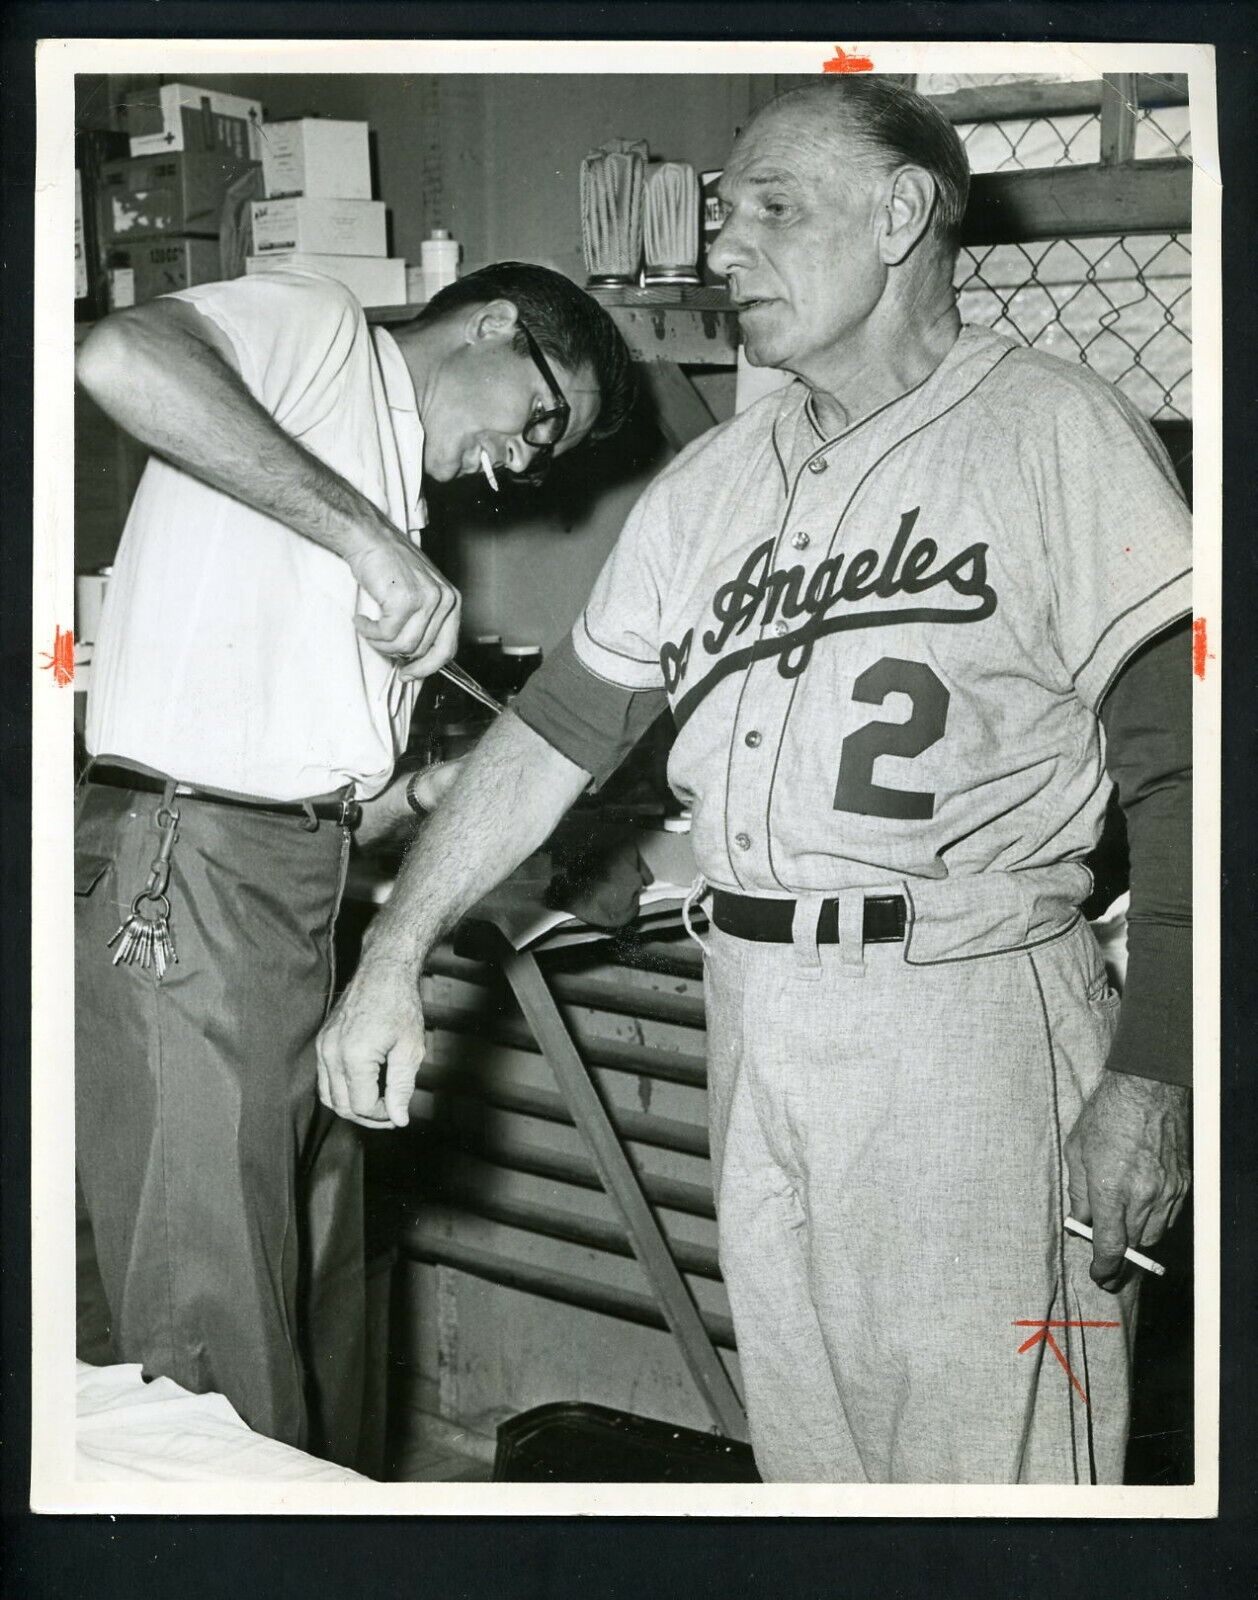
(910, 200)
(496, 320)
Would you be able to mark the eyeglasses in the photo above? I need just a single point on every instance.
(544, 429)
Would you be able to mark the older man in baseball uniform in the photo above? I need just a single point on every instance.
(916, 616)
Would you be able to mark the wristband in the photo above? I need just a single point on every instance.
(416, 805)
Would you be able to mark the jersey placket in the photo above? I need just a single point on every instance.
(765, 700)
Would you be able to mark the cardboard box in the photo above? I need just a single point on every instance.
(160, 266)
(179, 116)
(93, 148)
(320, 227)
(316, 156)
(372, 280)
(148, 196)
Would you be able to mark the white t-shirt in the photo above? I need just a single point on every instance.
(227, 654)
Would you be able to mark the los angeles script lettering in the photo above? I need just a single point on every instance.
(760, 595)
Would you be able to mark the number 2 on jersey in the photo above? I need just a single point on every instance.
(856, 790)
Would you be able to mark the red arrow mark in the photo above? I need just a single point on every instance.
(1200, 653)
(1044, 1325)
(842, 62)
(60, 659)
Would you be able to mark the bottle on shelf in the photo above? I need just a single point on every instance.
(521, 661)
(485, 662)
(439, 261)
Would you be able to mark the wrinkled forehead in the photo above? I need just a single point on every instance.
(809, 145)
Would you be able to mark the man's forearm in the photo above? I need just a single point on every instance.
(167, 385)
(513, 790)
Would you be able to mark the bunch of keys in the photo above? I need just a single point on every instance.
(145, 935)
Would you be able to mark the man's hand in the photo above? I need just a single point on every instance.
(419, 608)
(1129, 1158)
(377, 1026)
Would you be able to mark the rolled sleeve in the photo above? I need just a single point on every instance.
(591, 721)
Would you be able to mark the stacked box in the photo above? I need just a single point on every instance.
(372, 280)
(150, 196)
(319, 215)
(180, 116)
(94, 149)
(317, 157)
(142, 270)
(320, 226)
(159, 213)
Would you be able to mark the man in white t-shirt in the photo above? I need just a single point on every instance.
(268, 621)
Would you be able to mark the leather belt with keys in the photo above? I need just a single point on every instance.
(145, 935)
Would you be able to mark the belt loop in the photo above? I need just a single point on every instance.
(697, 891)
(310, 823)
(805, 925)
(852, 931)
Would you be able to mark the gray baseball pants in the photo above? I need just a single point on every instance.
(887, 1148)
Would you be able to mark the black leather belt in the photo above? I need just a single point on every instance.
(346, 812)
(770, 921)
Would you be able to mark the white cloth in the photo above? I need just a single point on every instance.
(226, 653)
(129, 1430)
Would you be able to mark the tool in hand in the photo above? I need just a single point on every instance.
(469, 685)
(1147, 1262)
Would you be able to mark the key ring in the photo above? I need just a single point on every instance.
(154, 898)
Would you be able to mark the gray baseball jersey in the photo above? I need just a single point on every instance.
(885, 650)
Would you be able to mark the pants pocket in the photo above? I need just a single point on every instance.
(89, 869)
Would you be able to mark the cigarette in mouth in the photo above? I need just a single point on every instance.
(487, 467)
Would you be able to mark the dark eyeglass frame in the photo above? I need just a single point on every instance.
(544, 448)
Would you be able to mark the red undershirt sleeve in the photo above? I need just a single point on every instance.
(1147, 716)
(591, 721)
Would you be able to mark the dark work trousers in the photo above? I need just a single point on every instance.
(225, 1202)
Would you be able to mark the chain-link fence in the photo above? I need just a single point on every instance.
(1121, 305)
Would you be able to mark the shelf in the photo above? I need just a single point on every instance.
(1022, 101)
(687, 326)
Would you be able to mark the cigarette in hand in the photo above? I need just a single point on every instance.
(1147, 1262)
(487, 467)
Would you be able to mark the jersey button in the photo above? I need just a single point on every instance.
(743, 841)
(818, 464)
(780, 628)
(752, 739)
(801, 541)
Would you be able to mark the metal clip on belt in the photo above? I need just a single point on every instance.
(769, 921)
(344, 811)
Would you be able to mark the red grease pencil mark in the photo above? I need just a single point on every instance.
(1046, 1337)
(842, 62)
(60, 660)
(1200, 655)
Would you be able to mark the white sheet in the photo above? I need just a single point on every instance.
(129, 1430)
